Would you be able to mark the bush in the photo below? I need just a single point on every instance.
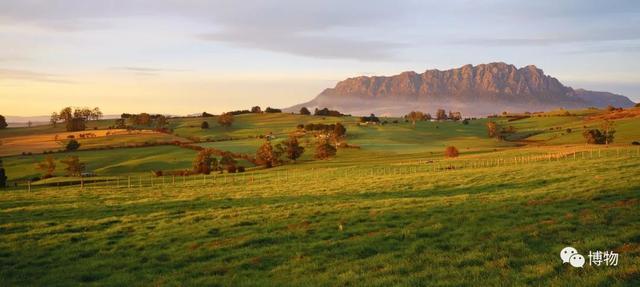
(241, 169)
(231, 169)
(72, 145)
(451, 151)
(204, 125)
(635, 143)
(569, 131)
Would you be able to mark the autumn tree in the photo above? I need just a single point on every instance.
(227, 161)
(451, 151)
(338, 134)
(3, 122)
(47, 166)
(292, 148)
(304, 111)
(324, 150)
(492, 129)
(267, 155)
(415, 116)
(441, 115)
(225, 120)
(203, 163)
(74, 166)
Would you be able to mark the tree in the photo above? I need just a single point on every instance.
(161, 122)
(203, 162)
(338, 134)
(272, 110)
(54, 119)
(144, 119)
(256, 110)
(3, 176)
(292, 148)
(267, 155)
(204, 125)
(608, 133)
(415, 116)
(324, 150)
(72, 145)
(76, 124)
(595, 136)
(304, 111)
(225, 120)
(74, 166)
(66, 114)
(227, 161)
(3, 122)
(492, 129)
(441, 115)
(95, 114)
(451, 151)
(48, 166)
(29, 124)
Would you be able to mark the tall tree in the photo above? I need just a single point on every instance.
(492, 129)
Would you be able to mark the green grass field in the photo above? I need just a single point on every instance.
(391, 212)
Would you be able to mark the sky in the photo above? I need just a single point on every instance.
(187, 56)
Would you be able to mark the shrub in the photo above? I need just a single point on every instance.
(635, 143)
(569, 131)
(451, 151)
(72, 145)
(204, 125)
(638, 105)
(240, 169)
(231, 169)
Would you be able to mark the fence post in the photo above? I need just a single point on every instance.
(29, 185)
(140, 181)
(81, 182)
(129, 182)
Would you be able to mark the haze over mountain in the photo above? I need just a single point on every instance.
(473, 90)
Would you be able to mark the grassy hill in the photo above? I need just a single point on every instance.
(393, 211)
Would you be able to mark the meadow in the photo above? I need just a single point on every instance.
(392, 212)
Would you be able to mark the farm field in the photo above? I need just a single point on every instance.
(390, 210)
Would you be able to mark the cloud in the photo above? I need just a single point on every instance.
(25, 75)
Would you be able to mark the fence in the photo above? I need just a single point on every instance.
(358, 173)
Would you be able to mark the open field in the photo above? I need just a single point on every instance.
(392, 211)
(501, 225)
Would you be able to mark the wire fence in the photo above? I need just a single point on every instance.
(360, 174)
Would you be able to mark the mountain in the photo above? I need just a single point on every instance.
(473, 90)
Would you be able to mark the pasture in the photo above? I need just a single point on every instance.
(389, 211)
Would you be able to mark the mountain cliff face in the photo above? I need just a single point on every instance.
(474, 90)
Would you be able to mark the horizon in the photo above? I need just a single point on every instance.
(163, 57)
